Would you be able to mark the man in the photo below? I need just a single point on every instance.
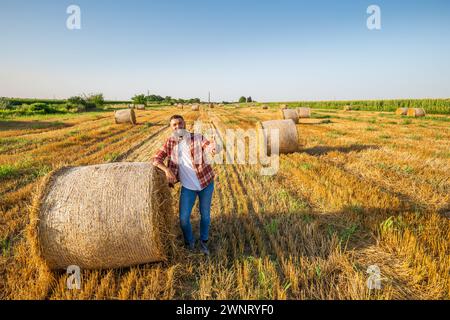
(186, 164)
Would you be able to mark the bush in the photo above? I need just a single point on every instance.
(94, 101)
(139, 99)
(40, 107)
(90, 105)
(76, 101)
(81, 104)
(5, 104)
(242, 99)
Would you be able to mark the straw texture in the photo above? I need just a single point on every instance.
(290, 114)
(125, 116)
(287, 134)
(416, 112)
(304, 112)
(103, 216)
(401, 111)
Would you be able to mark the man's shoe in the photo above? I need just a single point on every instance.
(190, 246)
(204, 248)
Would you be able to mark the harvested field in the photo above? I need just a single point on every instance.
(365, 188)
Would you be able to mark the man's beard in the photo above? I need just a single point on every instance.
(180, 133)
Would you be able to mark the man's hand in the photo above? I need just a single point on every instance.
(171, 178)
(213, 147)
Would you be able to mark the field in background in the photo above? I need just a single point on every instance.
(366, 188)
(432, 106)
(25, 107)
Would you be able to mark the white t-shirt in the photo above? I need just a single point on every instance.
(187, 175)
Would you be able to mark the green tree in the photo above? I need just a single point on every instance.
(139, 99)
(5, 103)
(96, 100)
(242, 99)
(154, 98)
(249, 99)
(77, 103)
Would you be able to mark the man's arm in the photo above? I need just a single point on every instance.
(158, 161)
(211, 146)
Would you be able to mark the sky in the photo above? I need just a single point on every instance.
(284, 50)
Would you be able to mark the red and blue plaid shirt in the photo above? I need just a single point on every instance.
(199, 145)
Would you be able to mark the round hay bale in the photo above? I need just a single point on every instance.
(195, 107)
(131, 106)
(290, 114)
(416, 112)
(304, 112)
(102, 216)
(140, 107)
(125, 116)
(265, 107)
(401, 111)
(211, 106)
(287, 134)
(347, 108)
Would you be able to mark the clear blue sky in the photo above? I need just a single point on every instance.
(271, 50)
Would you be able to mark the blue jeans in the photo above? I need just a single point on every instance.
(187, 200)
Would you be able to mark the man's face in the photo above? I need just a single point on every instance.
(177, 124)
(178, 127)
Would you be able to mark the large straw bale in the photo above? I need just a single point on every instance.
(401, 111)
(125, 116)
(102, 216)
(416, 112)
(290, 114)
(304, 112)
(288, 136)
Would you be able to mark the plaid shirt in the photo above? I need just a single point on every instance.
(199, 145)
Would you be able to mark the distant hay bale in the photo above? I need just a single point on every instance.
(131, 106)
(401, 111)
(347, 108)
(125, 116)
(290, 114)
(195, 107)
(211, 105)
(416, 112)
(288, 136)
(140, 106)
(265, 107)
(102, 216)
(304, 112)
